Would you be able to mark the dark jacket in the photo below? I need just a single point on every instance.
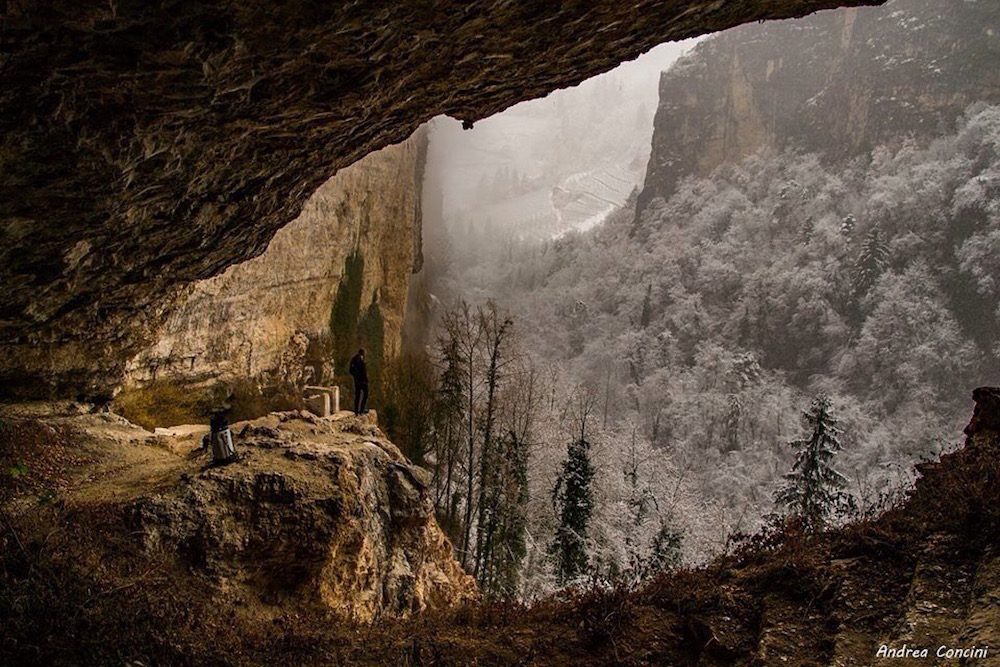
(359, 370)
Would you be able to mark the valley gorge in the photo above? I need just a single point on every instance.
(206, 208)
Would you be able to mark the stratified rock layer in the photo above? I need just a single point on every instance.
(145, 146)
(257, 318)
(860, 78)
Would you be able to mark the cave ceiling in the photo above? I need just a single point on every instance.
(145, 145)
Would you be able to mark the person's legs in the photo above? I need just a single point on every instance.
(364, 397)
(357, 397)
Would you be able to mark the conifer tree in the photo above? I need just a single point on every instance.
(448, 412)
(732, 423)
(647, 307)
(573, 495)
(813, 486)
(847, 226)
(665, 552)
(574, 500)
(506, 543)
(871, 262)
(346, 311)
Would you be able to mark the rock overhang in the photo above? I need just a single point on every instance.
(146, 146)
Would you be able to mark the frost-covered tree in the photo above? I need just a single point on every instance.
(813, 486)
(897, 323)
(847, 226)
(665, 550)
(505, 530)
(449, 404)
(573, 496)
(647, 307)
(910, 347)
(497, 330)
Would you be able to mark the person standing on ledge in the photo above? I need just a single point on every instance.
(359, 371)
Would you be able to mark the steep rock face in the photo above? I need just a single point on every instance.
(838, 83)
(145, 146)
(256, 318)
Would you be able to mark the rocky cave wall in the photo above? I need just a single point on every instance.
(737, 93)
(257, 319)
(145, 146)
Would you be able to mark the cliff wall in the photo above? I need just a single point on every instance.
(257, 319)
(839, 83)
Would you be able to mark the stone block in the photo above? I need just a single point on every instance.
(333, 398)
(319, 404)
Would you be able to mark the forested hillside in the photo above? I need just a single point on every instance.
(784, 320)
(837, 83)
(712, 323)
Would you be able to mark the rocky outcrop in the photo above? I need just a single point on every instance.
(322, 512)
(145, 146)
(257, 319)
(837, 83)
(323, 515)
(315, 509)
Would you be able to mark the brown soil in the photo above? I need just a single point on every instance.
(926, 573)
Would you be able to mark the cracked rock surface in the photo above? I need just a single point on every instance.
(314, 509)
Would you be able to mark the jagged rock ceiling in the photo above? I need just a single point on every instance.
(145, 145)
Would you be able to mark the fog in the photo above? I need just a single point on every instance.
(769, 279)
(547, 166)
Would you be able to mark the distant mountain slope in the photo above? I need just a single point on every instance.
(837, 83)
(576, 202)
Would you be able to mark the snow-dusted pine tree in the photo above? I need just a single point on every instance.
(574, 500)
(847, 226)
(871, 262)
(813, 486)
(665, 551)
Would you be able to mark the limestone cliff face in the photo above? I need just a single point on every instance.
(838, 82)
(256, 319)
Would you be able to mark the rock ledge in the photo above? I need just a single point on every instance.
(322, 510)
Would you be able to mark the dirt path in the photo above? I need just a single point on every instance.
(106, 458)
(132, 461)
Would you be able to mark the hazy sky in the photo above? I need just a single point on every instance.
(639, 78)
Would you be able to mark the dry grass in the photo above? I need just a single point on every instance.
(164, 403)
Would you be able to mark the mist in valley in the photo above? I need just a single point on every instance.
(690, 340)
(674, 366)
